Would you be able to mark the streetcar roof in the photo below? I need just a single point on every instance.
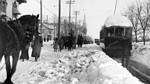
(117, 20)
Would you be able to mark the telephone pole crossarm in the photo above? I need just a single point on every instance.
(70, 2)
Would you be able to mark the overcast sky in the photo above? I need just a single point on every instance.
(96, 11)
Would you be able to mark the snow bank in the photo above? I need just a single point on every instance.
(111, 72)
(140, 53)
(87, 65)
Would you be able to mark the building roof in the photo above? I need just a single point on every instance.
(117, 20)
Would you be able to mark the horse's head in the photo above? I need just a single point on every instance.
(30, 24)
(31, 21)
(35, 24)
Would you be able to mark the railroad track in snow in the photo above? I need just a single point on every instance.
(140, 71)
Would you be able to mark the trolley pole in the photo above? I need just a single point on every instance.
(115, 7)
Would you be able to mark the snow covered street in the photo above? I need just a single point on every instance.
(87, 65)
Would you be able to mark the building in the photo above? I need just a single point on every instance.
(3, 6)
(50, 30)
(47, 31)
(10, 7)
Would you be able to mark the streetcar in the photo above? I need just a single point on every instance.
(116, 35)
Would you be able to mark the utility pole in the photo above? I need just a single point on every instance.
(70, 2)
(54, 27)
(76, 17)
(59, 19)
(41, 15)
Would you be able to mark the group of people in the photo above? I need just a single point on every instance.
(67, 42)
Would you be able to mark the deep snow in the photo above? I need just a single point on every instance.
(141, 53)
(87, 65)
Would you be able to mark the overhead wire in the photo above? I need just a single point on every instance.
(46, 8)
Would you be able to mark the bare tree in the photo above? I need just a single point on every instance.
(131, 13)
(143, 13)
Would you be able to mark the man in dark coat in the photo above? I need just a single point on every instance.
(36, 47)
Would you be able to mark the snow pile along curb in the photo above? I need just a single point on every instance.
(111, 72)
(87, 65)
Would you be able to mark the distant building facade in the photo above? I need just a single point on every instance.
(50, 30)
(47, 31)
(10, 7)
(3, 6)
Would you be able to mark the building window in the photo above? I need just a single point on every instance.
(3, 6)
(15, 11)
(15, 4)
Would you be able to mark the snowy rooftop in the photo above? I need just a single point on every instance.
(117, 20)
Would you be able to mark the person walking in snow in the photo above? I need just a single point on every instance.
(36, 47)
(55, 45)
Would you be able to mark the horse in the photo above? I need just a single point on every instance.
(36, 47)
(13, 38)
(10, 46)
(30, 24)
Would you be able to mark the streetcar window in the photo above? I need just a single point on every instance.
(119, 31)
(110, 32)
(128, 32)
